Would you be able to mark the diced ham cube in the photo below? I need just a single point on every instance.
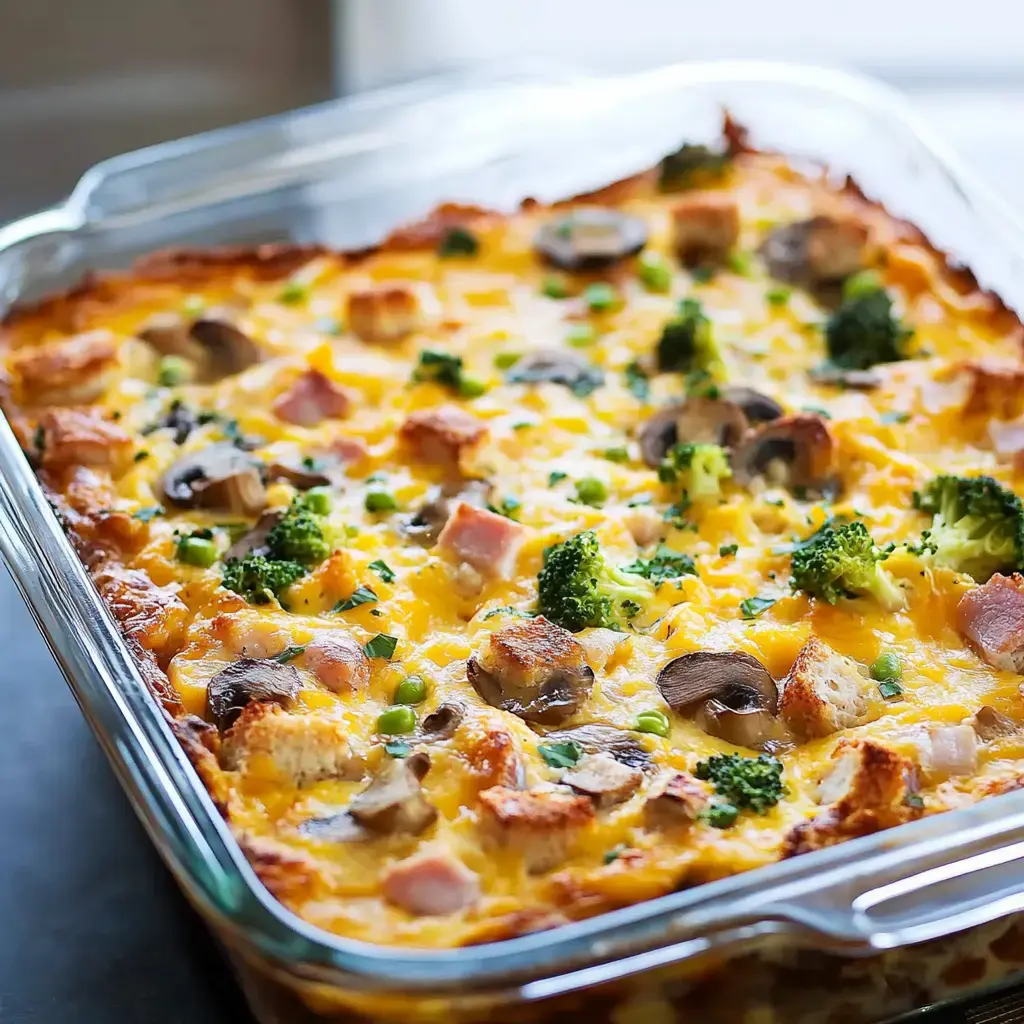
(991, 617)
(705, 225)
(430, 883)
(441, 435)
(487, 541)
(338, 662)
(385, 313)
(311, 399)
(835, 246)
(83, 437)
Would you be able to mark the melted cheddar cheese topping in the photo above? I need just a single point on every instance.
(500, 845)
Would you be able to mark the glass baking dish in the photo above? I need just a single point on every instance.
(862, 931)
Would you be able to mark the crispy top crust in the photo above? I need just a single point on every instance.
(391, 799)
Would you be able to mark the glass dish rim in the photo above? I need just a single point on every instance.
(215, 873)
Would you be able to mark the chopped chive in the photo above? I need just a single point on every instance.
(751, 607)
(289, 654)
(361, 595)
(380, 646)
(556, 476)
(140, 456)
(383, 570)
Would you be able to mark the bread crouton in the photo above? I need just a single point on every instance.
(72, 371)
(69, 437)
(824, 692)
(385, 313)
(675, 800)
(705, 226)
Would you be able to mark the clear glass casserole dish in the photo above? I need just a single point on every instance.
(779, 940)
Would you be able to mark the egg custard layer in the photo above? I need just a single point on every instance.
(530, 566)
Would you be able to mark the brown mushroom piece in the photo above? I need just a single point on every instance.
(695, 421)
(590, 238)
(441, 723)
(605, 739)
(758, 408)
(425, 525)
(855, 380)
(254, 541)
(218, 477)
(796, 451)
(393, 802)
(556, 366)
(728, 694)
(817, 252)
(534, 670)
(306, 471)
(604, 779)
(212, 342)
(246, 680)
(991, 725)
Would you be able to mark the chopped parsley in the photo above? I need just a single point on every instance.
(665, 564)
(751, 607)
(380, 646)
(728, 549)
(636, 381)
(561, 755)
(361, 595)
(148, 512)
(383, 570)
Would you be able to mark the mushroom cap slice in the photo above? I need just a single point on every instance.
(228, 349)
(590, 238)
(555, 366)
(797, 450)
(255, 540)
(729, 694)
(557, 698)
(441, 723)
(246, 680)
(217, 477)
(302, 475)
(597, 739)
(393, 802)
(758, 408)
(695, 421)
(425, 525)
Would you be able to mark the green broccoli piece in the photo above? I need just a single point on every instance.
(699, 468)
(299, 536)
(841, 560)
(978, 526)
(665, 564)
(576, 588)
(863, 331)
(687, 344)
(259, 579)
(691, 166)
(748, 783)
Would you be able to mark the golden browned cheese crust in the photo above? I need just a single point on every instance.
(406, 753)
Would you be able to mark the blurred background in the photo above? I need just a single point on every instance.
(81, 81)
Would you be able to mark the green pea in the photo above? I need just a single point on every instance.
(292, 293)
(653, 721)
(591, 491)
(506, 360)
(380, 501)
(411, 690)
(887, 668)
(470, 387)
(199, 551)
(173, 370)
(396, 721)
(655, 274)
(778, 296)
(601, 297)
(720, 815)
(554, 287)
(581, 335)
(318, 500)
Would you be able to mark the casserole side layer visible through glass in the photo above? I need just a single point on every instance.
(344, 174)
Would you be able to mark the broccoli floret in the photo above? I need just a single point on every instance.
(299, 536)
(576, 588)
(687, 344)
(666, 564)
(691, 166)
(863, 331)
(258, 579)
(699, 468)
(748, 783)
(841, 560)
(978, 526)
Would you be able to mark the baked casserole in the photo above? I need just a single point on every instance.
(533, 565)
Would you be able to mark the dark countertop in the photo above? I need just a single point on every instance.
(92, 926)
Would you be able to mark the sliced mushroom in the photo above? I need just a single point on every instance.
(306, 471)
(570, 370)
(857, 380)
(335, 828)
(535, 670)
(218, 477)
(797, 451)
(990, 724)
(729, 694)
(254, 541)
(216, 346)
(815, 252)
(595, 739)
(425, 525)
(394, 802)
(246, 680)
(604, 779)
(758, 408)
(590, 238)
(441, 723)
(695, 421)
(180, 418)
